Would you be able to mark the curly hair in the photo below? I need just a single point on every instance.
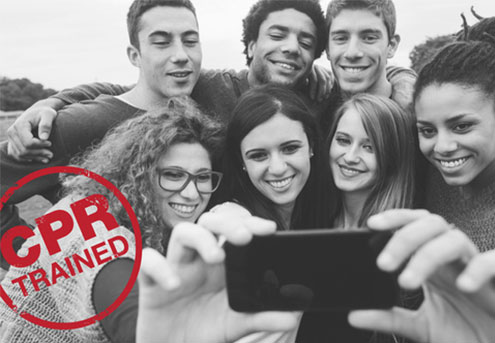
(260, 11)
(139, 7)
(392, 132)
(128, 156)
(470, 64)
(381, 8)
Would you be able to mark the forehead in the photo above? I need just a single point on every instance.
(357, 20)
(439, 102)
(174, 20)
(290, 19)
(275, 131)
(189, 156)
(351, 123)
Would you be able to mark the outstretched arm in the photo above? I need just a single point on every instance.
(459, 303)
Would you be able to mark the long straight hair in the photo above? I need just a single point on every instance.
(392, 132)
(254, 108)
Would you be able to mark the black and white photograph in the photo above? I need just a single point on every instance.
(272, 171)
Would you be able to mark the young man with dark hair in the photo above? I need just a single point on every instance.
(168, 56)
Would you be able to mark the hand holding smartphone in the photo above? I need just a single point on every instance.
(310, 270)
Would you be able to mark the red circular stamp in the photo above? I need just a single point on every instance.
(115, 246)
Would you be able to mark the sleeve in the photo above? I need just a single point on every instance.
(402, 80)
(120, 325)
(90, 92)
(10, 218)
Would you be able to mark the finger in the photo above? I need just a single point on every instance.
(396, 320)
(38, 155)
(155, 269)
(409, 239)
(236, 229)
(313, 83)
(479, 271)
(272, 321)
(188, 240)
(451, 246)
(45, 124)
(393, 219)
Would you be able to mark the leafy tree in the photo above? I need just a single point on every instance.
(423, 53)
(19, 94)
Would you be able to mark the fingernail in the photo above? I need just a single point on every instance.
(409, 279)
(466, 283)
(44, 160)
(172, 283)
(385, 261)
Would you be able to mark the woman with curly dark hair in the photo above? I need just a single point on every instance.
(162, 163)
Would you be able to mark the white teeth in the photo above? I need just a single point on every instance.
(285, 65)
(179, 74)
(281, 183)
(453, 163)
(186, 209)
(349, 172)
(354, 70)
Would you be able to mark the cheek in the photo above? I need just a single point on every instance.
(425, 145)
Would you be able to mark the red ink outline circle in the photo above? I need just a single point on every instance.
(135, 228)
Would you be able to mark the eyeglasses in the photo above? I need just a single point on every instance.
(176, 180)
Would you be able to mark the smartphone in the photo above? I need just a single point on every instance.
(317, 270)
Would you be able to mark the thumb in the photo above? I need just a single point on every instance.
(46, 122)
(397, 320)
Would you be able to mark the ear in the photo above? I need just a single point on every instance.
(251, 48)
(311, 153)
(134, 56)
(327, 52)
(393, 45)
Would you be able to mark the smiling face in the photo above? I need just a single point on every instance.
(358, 49)
(169, 54)
(352, 158)
(456, 128)
(285, 49)
(187, 204)
(276, 155)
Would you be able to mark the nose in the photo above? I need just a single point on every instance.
(179, 54)
(191, 191)
(277, 165)
(353, 50)
(352, 156)
(290, 44)
(445, 143)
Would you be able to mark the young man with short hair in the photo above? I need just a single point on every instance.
(165, 48)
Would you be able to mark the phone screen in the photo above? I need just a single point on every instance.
(311, 270)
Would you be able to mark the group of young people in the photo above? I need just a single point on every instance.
(184, 139)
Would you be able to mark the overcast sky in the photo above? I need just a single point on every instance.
(61, 43)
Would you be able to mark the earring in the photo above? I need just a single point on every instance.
(311, 154)
(244, 168)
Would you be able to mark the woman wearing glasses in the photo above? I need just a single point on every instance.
(162, 163)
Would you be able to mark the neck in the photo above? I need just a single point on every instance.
(382, 87)
(484, 180)
(144, 98)
(285, 211)
(353, 204)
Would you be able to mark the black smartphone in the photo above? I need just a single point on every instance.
(310, 270)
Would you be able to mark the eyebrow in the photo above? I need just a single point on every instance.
(449, 121)
(365, 31)
(348, 135)
(168, 34)
(282, 28)
(283, 144)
